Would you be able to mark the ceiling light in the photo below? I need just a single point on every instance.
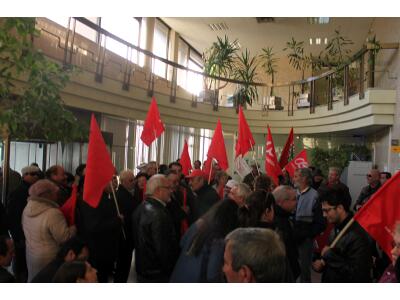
(218, 26)
(318, 41)
(326, 41)
(310, 41)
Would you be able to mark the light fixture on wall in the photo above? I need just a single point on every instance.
(318, 20)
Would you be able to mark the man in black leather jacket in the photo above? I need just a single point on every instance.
(350, 259)
(156, 242)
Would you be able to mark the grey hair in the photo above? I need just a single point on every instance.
(125, 173)
(307, 173)
(43, 187)
(243, 190)
(261, 250)
(154, 183)
(336, 170)
(281, 193)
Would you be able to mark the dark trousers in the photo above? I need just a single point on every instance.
(19, 267)
(124, 261)
(305, 249)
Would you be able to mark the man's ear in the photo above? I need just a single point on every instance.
(246, 275)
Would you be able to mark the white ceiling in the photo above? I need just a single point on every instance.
(254, 36)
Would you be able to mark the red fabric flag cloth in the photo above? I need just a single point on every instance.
(99, 168)
(299, 162)
(185, 160)
(153, 126)
(217, 148)
(68, 209)
(245, 139)
(272, 167)
(380, 214)
(284, 159)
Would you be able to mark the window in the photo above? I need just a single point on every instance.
(160, 48)
(128, 29)
(80, 28)
(189, 58)
(205, 141)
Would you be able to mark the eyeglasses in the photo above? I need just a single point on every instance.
(326, 210)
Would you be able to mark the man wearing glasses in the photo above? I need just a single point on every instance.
(350, 259)
(373, 179)
(17, 201)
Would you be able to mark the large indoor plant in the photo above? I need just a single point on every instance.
(245, 70)
(269, 64)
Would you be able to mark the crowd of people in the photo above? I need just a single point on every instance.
(194, 228)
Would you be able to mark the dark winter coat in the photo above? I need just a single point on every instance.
(284, 226)
(350, 260)
(156, 242)
(205, 267)
(17, 201)
(100, 228)
(205, 197)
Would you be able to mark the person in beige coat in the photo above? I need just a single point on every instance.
(44, 226)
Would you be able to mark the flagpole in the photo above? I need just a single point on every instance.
(341, 233)
(252, 149)
(211, 167)
(117, 207)
(155, 138)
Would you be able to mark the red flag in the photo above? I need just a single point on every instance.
(380, 214)
(284, 159)
(99, 168)
(272, 167)
(185, 160)
(299, 162)
(245, 138)
(217, 148)
(153, 126)
(68, 209)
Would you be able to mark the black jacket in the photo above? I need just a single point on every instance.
(3, 221)
(366, 193)
(350, 260)
(156, 242)
(17, 201)
(284, 226)
(47, 273)
(127, 204)
(205, 197)
(5, 276)
(100, 228)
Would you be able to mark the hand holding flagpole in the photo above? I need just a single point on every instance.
(254, 159)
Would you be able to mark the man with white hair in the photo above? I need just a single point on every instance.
(239, 193)
(285, 199)
(127, 204)
(17, 201)
(156, 242)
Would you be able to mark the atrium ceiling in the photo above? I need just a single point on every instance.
(272, 32)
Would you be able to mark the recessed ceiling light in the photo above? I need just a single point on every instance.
(310, 41)
(318, 41)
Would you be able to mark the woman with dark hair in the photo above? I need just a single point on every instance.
(202, 247)
(259, 210)
(140, 187)
(76, 272)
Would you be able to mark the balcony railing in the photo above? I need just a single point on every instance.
(336, 85)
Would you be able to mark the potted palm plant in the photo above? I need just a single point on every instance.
(299, 60)
(245, 70)
(269, 65)
(218, 60)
